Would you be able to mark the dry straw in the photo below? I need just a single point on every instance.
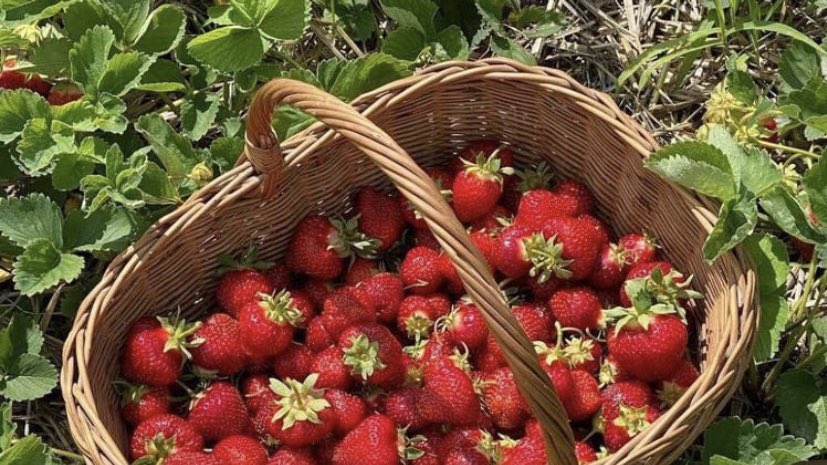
(543, 113)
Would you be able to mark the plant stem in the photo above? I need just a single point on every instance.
(787, 148)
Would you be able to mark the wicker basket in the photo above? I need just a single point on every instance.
(543, 113)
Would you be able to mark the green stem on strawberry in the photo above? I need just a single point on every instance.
(300, 401)
(363, 357)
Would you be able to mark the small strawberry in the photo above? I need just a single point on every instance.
(240, 450)
(510, 255)
(579, 244)
(610, 267)
(478, 186)
(373, 355)
(317, 290)
(380, 217)
(672, 389)
(502, 399)
(629, 393)
(586, 399)
(539, 206)
(628, 424)
(162, 436)
(416, 317)
(331, 370)
(448, 395)
(290, 456)
(219, 338)
(302, 416)
(63, 93)
(318, 336)
(319, 246)
(188, 458)
(155, 350)
(584, 452)
(770, 128)
(578, 191)
(576, 307)
(420, 271)
(374, 442)
(401, 407)
(387, 291)
(350, 410)
(218, 412)
(257, 393)
(266, 327)
(295, 362)
(11, 79)
(140, 403)
(361, 269)
(466, 326)
(639, 248)
(242, 282)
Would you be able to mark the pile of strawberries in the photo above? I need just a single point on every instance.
(361, 348)
(12, 79)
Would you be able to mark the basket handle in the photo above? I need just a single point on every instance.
(263, 152)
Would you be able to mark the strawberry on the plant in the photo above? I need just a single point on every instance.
(155, 350)
(502, 399)
(374, 442)
(240, 450)
(387, 291)
(319, 246)
(379, 217)
(218, 412)
(63, 93)
(302, 416)
(162, 436)
(141, 403)
(295, 362)
(478, 186)
(38, 85)
(11, 79)
(628, 424)
(256, 392)
(771, 128)
(350, 410)
(290, 456)
(610, 267)
(576, 307)
(331, 370)
(672, 389)
(579, 192)
(586, 399)
(448, 394)
(373, 355)
(219, 339)
(638, 248)
(420, 271)
(539, 206)
(465, 325)
(266, 327)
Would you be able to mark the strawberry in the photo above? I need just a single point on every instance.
(534, 320)
(423, 448)
(318, 336)
(579, 192)
(579, 244)
(453, 282)
(631, 393)
(350, 410)
(510, 254)
(610, 267)
(155, 350)
(584, 452)
(466, 326)
(539, 206)
(490, 356)
(323, 452)
(576, 307)
(478, 186)
(600, 229)
(279, 276)
(387, 291)
(486, 243)
(38, 85)
(437, 346)
(420, 271)
(63, 93)
(240, 450)
(302, 416)
(317, 290)
(425, 238)
(380, 217)
(629, 422)
(188, 458)
(257, 393)
(586, 399)
(361, 269)
(644, 270)
(238, 287)
(562, 380)
(610, 372)
(401, 407)
(484, 148)
(448, 394)
(770, 128)
(266, 327)
(531, 450)
(347, 306)
(162, 436)
(416, 317)
(306, 306)
(647, 345)
(295, 362)
(219, 339)
(542, 291)
(638, 248)
(465, 457)
(10, 79)
(218, 412)
(503, 400)
(289, 456)
(499, 217)
(319, 245)
(583, 353)
(672, 388)
(373, 355)
(374, 442)
(331, 370)
(140, 403)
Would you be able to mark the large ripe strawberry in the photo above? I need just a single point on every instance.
(502, 399)
(530, 450)
(373, 354)
(266, 327)
(140, 403)
(583, 353)
(672, 389)
(631, 393)
(320, 245)
(290, 456)
(218, 412)
(295, 362)
(580, 245)
(490, 356)
(539, 206)
(11, 79)
(579, 192)
(257, 393)
(401, 407)
(241, 282)
(155, 350)
(466, 326)
(219, 339)
(302, 416)
(387, 291)
(610, 267)
(586, 400)
(318, 337)
(374, 442)
(422, 450)
(477, 187)
(554, 362)
(448, 395)
(162, 436)
(63, 93)
(420, 271)
(577, 307)
(600, 229)
(534, 320)
(648, 345)
(189, 458)
(486, 243)
(240, 450)
(350, 410)
(379, 217)
(638, 248)
(628, 424)
(331, 370)
(510, 255)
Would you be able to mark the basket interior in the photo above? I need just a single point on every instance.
(540, 124)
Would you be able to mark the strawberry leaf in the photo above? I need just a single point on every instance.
(89, 57)
(413, 14)
(7, 427)
(50, 56)
(772, 263)
(285, 19)
(789, 216)
(697, 166)
(27, 378)
(405, 43)
(735, 441)
(162, 31)
(41, 145)
(18, 107)
(42, 266)
(129, 15)
(28, 219)
(802, 402)
(751, 167)
(198, 114)
(736, 221)
(173, 150)
(228, 49)
(29, 450)
(105, 229)
(21, 336)
(123, 72)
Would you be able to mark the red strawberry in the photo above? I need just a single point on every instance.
(502, 399)
(304, 303)
(279, 276)
(257, 393)
(360, 270)
(448, 395)
(424, 449)
(239, 287)
(295, 362)
(490, 356)
(240, 450)
(586, 399)
(373, 355)
(188, 458)
(531, 450)
(628, 424)
(562, 380)
(380, 217)
(578, 191)
(771, 128)
(387, 291)
(219, 411)
(648, 346)
(629, 393)
(644, 270)
(584, 452)
(542, 291)
(577, 307)
(10, 79)
(610, 268)
(347, 306)
(219, 339)
(317, 290)
(465, 457)
(420, 271)
(38, 85)
(288, 456)
(534, 320)
(425, 238)
(350, 410)
(318, 336)
(401, 407)
(510, 255)
(477, 187)
(579, 244)
(583, 353)
(63, 93)
(453, 282)
(486, 243)
(374, 442)
(302, 416)
(319, 245)
(154, 351)
(466, 326)
(672, 389)
(539, 206)
(600, 229)
(141, 403)
(639, 248)
(436, 347)
(499, 217)
(331, 370)
(162, 436)
(484, 148)
(266, 327)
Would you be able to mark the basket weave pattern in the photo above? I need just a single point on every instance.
(544, 114)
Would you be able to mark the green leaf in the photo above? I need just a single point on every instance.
(26, 219)
(198, 114)
(21, 336)
(510, 49)
(18, 107)
(175, 152)
(771, 261)
(454, 43)
(29, 451)
(228, 49)
(778, 28)
(70, 169)
(289, 120)
(162, 31)
(789, 216)
(30, 377)
(737, 220)
(106, 229)
(286, 20)
(799, 65)
(697, 166)
(50, 56)
(367, 73)
(413, 14)
(163, 76)
(536, 21)
(775, 313)
(89, 58)
(8, 39)
(491, 12)
(42, 266)
(404, 43)
(157, 187)
(802, 402)
(7, 426)
(110, 117)
(130, 16)
(740, 84)
(815, 185)
(124, 72)
(42, 143)
(746, 442)
(80, 115)
(462, 13)
(224, 152)
(83, 16)
(751, 167)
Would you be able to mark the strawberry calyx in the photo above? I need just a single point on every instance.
(247, 260)
(418, 325)
(670, 392)
(487, 168)
(363, 357)
(607, 374)
(460, 359)
(546, 257)
(348, 241)
(578, 350)
(299, 401)
(549, 355)
(279, 308)
(131, 393)
(409, 448)
(490, 447)
(157, 449)
(538, 177)
(618, 254)
(179, 333)
(670, 287)
(632, 419)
